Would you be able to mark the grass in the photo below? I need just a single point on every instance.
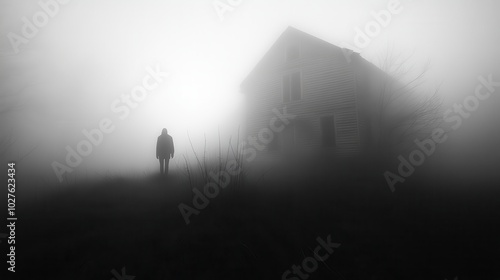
(257, 230)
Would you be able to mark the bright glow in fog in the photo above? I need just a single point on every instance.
(94, 51)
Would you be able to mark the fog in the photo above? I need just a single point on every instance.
(91, 53)
(348, 139)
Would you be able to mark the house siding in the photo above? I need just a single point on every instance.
(328, 88)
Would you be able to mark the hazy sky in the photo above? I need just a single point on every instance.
(91, 52)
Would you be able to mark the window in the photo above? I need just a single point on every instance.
(328, 131)
(292, 87)
(292, 52)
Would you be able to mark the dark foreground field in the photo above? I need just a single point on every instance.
(259, 231)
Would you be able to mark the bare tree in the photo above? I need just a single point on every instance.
(405, 110)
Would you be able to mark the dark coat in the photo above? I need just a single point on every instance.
(165, 146)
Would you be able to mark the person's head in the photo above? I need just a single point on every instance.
(164, 131)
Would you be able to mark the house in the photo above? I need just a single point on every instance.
(328, 89)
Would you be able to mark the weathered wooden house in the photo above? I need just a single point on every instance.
(325, 86)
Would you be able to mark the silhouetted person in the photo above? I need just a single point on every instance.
(164, 150)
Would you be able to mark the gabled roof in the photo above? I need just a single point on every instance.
(292, 34)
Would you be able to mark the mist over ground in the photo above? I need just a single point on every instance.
(66, 78)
